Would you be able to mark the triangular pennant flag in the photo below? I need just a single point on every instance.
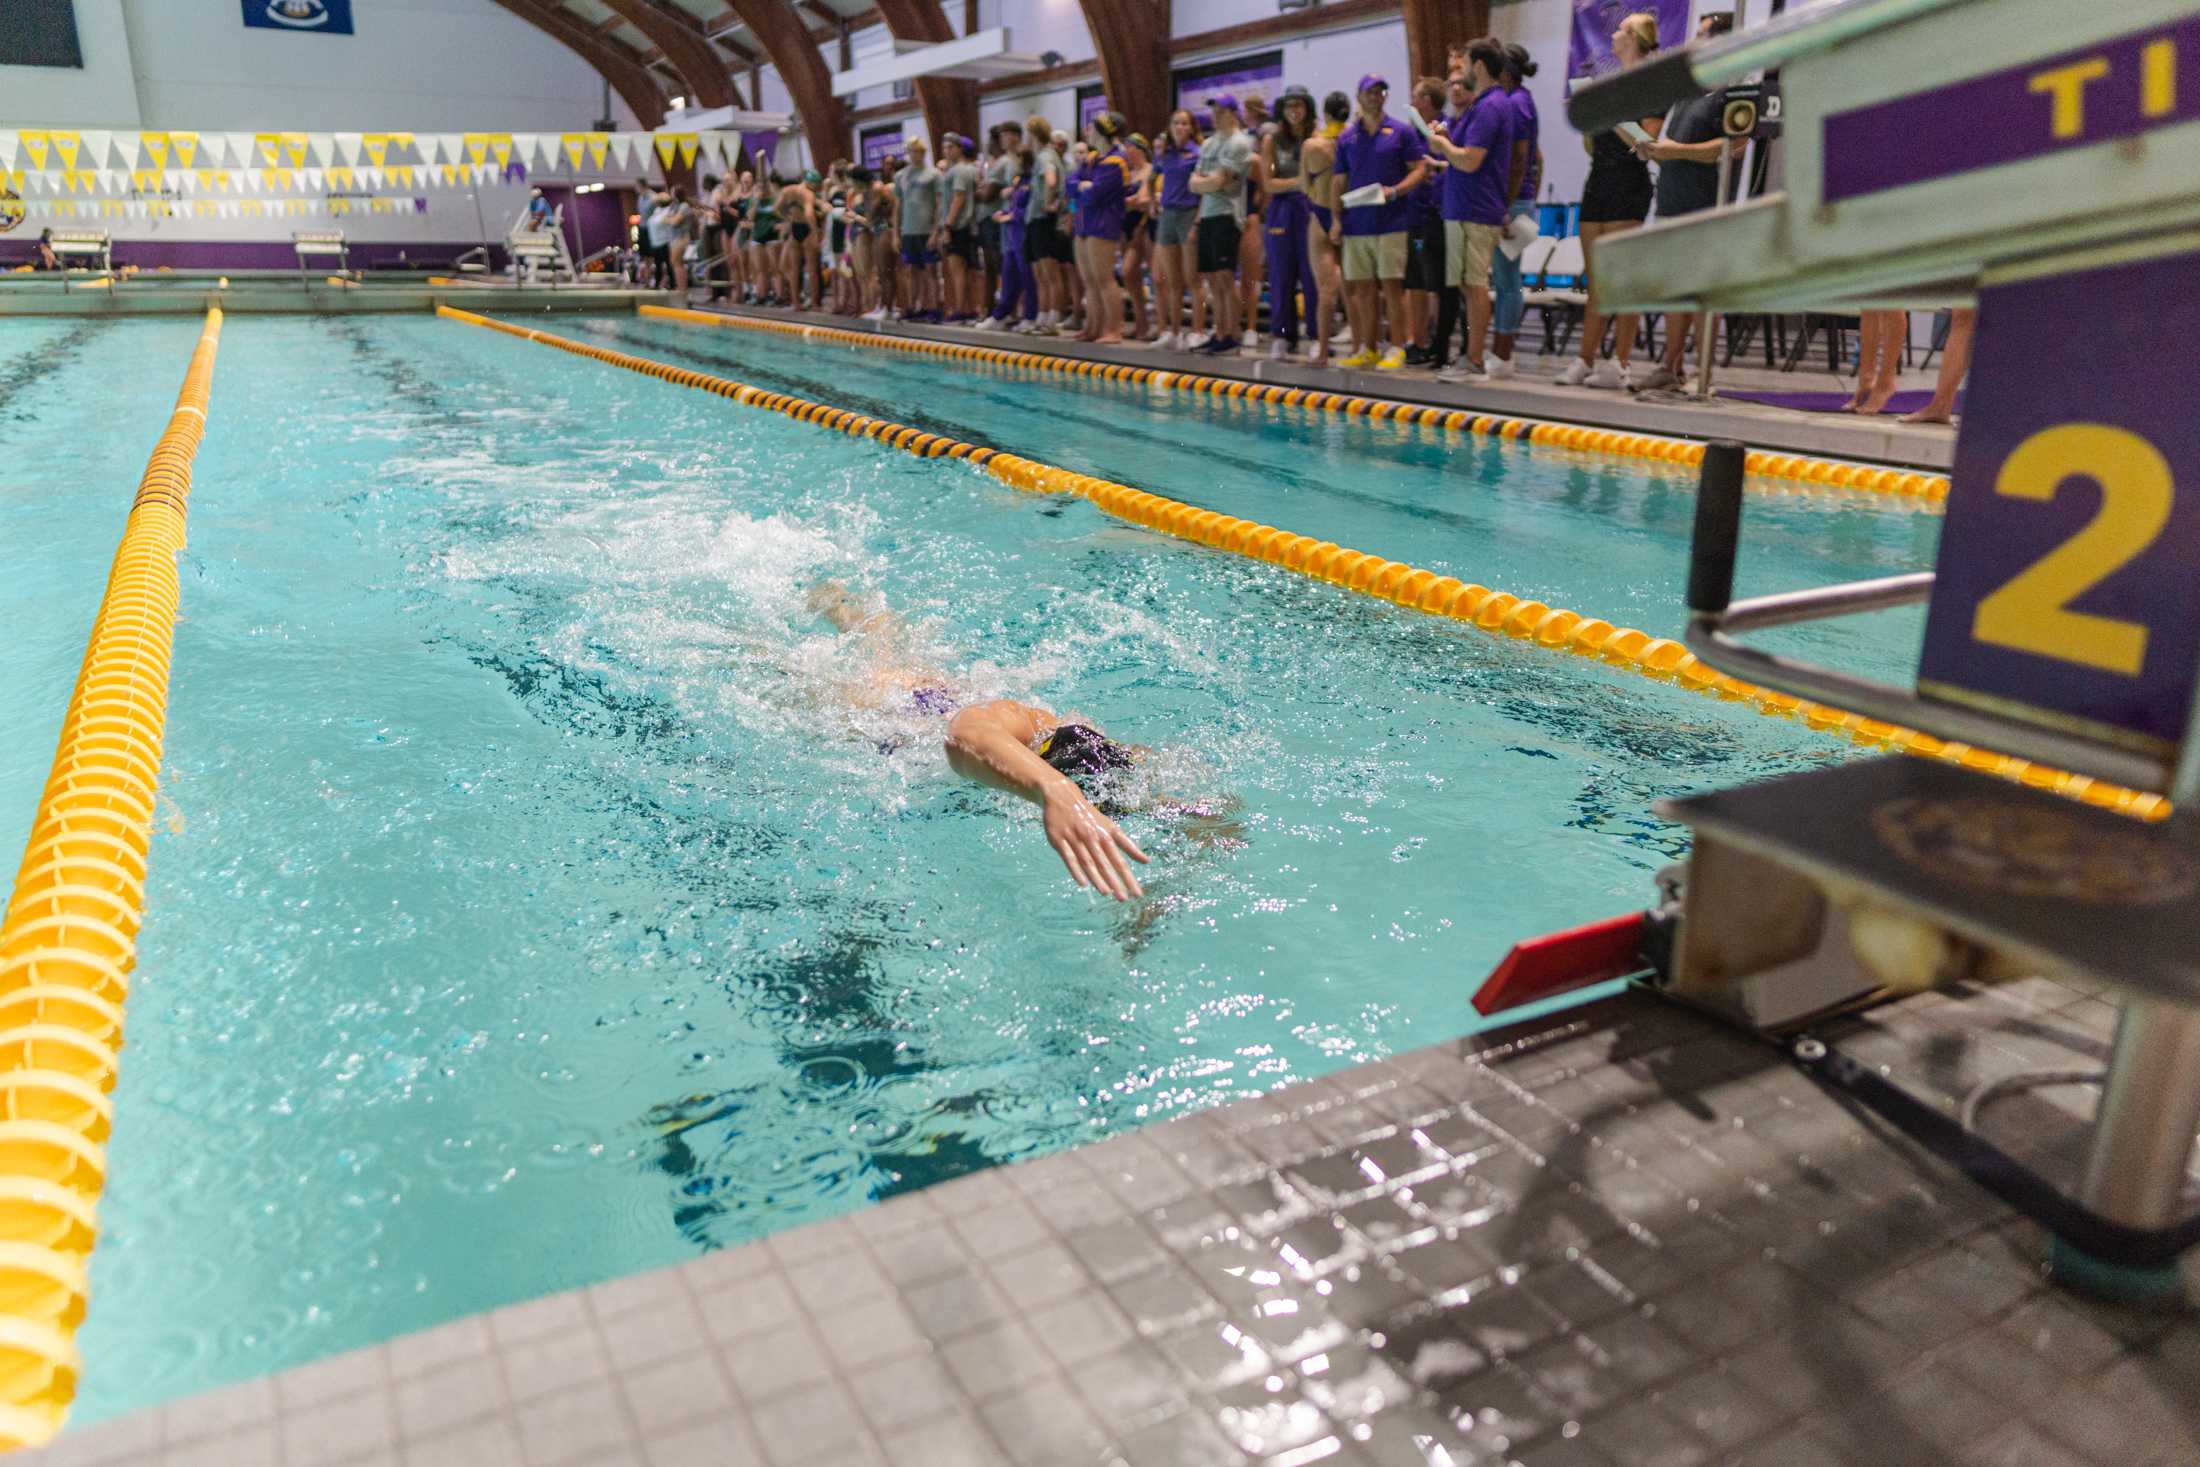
(8, 146)
(528, 145)
(339, 178)
(573, 143)
(667, 147)
(599, 148)
(376, 147)
(96, 147)
(314, 180)
(297, 148)
(155, 147)
(477, 146)
(445, 146)
(500, 148)
(344, 148)
(66, 145)
(35, 145)
(688, 146)
(403, 142)
(186, 145)
(237, 150)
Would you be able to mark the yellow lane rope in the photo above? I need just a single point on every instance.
(70, 937)
(1825, 473)
(1499, 613)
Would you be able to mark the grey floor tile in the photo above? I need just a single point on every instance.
(641, 1337)
(916, 1257)
(1187, 1439)
(995, 1359)
(330, 1379)
(673, 1393)
(722, 1266)
(830, 1283)
(820, 1421)
(1082, 1326)
(242, 1446)
(551, 1314)
(1039, 1274)
(491, 1443)
(900, 1392)
(232, 1408)
(336, 1431)
(657, 1290)
(861, 1335)
(583, 1424)
(1130, 1385)
(551, 1363)
(997, 1231)
(760, 1303)
(721, 1441)
(765, 1367)
(797, 1246)
(948, 1308)
(463, 1391)
(1045, 1424)
(431, 1350)
(948, 1441)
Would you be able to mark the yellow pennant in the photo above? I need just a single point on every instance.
(271, 147)
(294, 148)
(206, 210)
(599, 148)
(65, 145)
(146, 177)
(35, 144)
(278, 178)
(156, 147)
(477, 146)
(689, 144)
(402, 174)
(376, 145)
(573, 143)
(500, 145)
(186, 145)
(666, 147)
(212, 178)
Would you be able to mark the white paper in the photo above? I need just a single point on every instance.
(1366, 197)
(1633, 132)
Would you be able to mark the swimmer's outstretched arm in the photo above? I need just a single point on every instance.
(991, 743)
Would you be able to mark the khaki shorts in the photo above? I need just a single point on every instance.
(1375, 256)
(1468, 250)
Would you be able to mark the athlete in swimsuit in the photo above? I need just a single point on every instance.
(1063, 768)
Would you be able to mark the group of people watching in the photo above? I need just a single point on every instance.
(1382, 239)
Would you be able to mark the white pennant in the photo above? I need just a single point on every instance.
(314, 177)
(97, 145)
(346, 149)
(318, 147)
(527, 147)
(239, 147)
(7, 148)
(448, 146)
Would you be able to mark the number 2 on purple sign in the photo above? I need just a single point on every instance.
(2032, 612)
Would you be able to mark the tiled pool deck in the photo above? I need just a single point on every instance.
(1617, 1236)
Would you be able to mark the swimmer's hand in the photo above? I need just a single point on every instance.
(1091, 845)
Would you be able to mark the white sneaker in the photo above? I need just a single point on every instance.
(1658, 379)
(1279, 351)
(1577, 372)
(1250, 339)
(1025, 328)
(1193, 342)
(1501, 369)
(1342, 337)
(1459, 371)
(1608, 375)
(990, 323)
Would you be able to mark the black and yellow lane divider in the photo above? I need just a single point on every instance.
(1499, 613)
(69, 939)
(1815, 472)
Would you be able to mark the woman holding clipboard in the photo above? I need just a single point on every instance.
(1616, 198)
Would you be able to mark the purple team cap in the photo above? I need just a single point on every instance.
(1225, 103)
(1203, 120)
(1373, 83)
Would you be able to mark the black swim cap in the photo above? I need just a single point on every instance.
(1084, 754)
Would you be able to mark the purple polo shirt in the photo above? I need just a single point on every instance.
(1176, 167)
(1100, 205)
(1528, 126)
(1480, 197)
(1384, 156)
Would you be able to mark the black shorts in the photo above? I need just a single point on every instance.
(1425, 254)
(1039, 238)
(962, 244)
(1065, 243)
(798, 232)
(1612, 196)
(1218, 244)
(989, 235)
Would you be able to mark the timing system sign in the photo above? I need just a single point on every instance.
(332, 17)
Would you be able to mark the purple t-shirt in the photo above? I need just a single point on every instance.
(1528, 126)
(1479, 197)
(1176, 167)
(1100, 203)
(1383, 156)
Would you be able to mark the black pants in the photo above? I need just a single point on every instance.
(1448, 309)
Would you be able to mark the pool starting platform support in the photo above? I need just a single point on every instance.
(2043, 160)
(83, 249)
(314, 244)
(536, 252)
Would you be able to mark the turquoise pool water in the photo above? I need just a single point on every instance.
(541, 893)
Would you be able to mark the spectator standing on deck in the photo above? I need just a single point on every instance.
(1138, 233)
(1478, 146)
(1041, 226)
(1687, 155)
(917, 195)
(1506, 285)
(1615, 199)
(1287, 224)
(1103, 195)
(1176, 256)
(958, 230)
(1383, 160)
(1225, 162)
(994, 181)
(1425, 240)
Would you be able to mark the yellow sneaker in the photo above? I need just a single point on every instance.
(1393, 360)
(1358, 360)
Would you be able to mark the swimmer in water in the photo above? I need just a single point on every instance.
(1018, 747)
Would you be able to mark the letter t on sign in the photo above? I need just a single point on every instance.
(2066, 84)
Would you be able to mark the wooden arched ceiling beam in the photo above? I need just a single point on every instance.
(1433, 27)
(950, 103)
(1132, 40)
(801, 67)
(612, 61)
(680, 37)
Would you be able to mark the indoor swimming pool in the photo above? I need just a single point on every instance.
(542, 893)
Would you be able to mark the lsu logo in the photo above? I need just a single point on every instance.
(304, 14)
(12, 211)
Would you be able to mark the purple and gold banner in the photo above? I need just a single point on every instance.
(1589, 46)
(2118, 89)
